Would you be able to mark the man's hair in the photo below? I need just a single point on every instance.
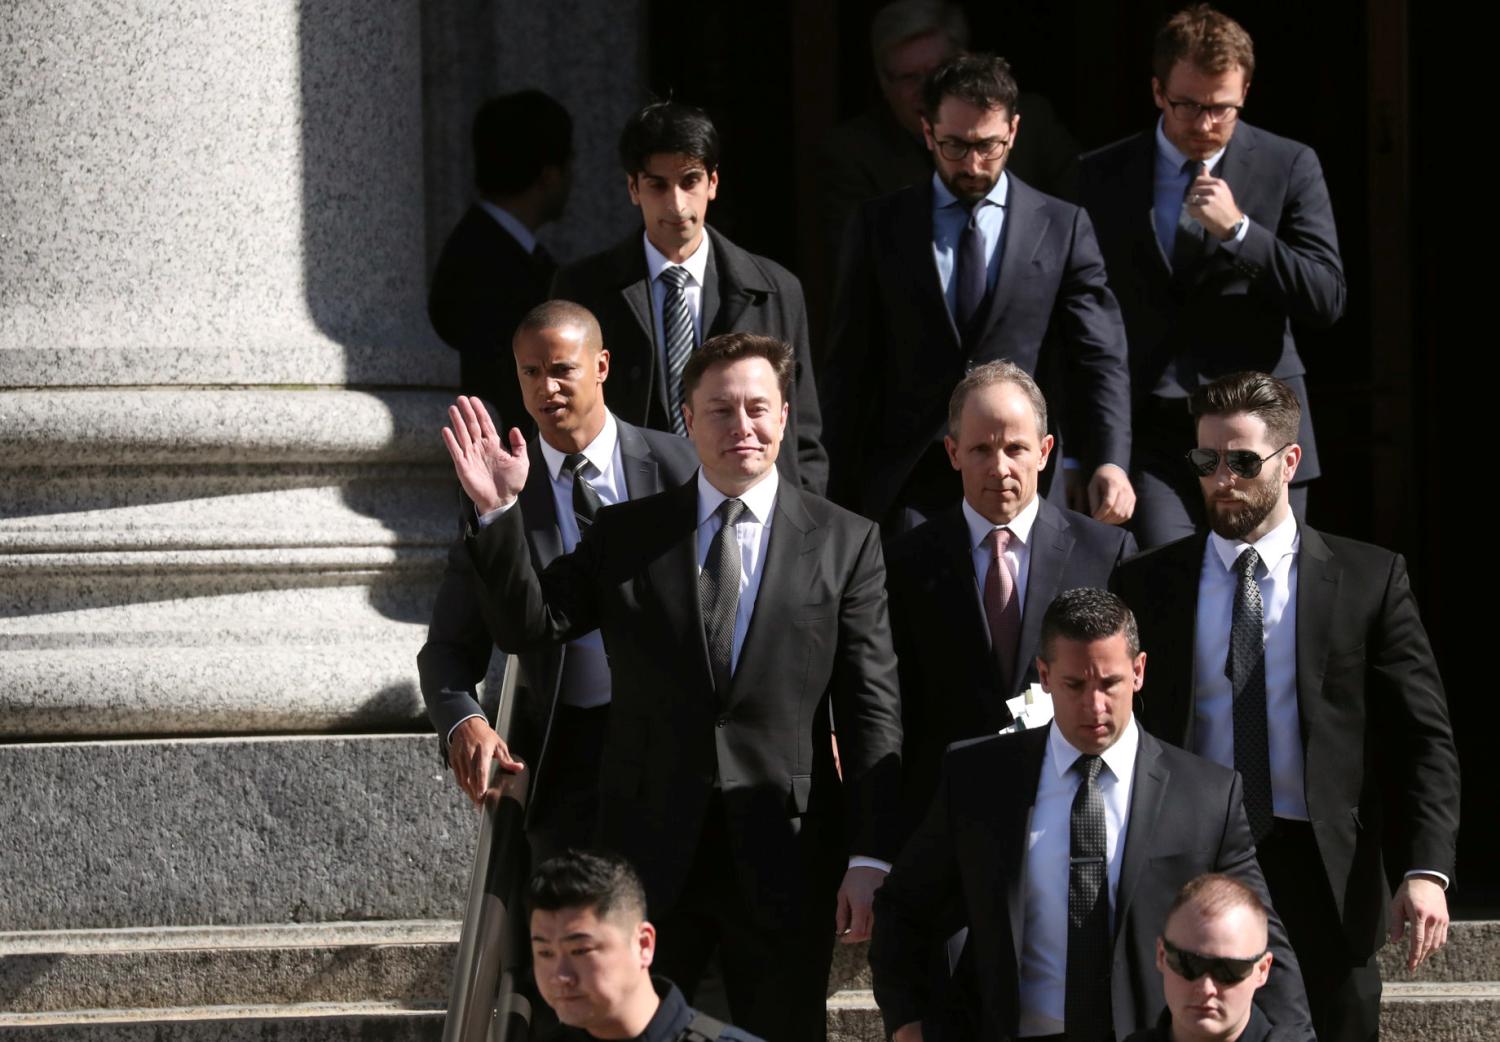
(1204, 38)
(665, 128)
(731, 347)
(907, 19)
(1214, 894)
(517, 136)
(983, 80)
(562, 314)
(588, 879)
(987, 375)
(1086, 615)
(1259, 394)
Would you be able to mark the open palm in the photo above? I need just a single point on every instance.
(491, 472)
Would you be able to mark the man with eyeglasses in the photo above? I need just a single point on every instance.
(1240, 242)
(1309, 672)
(1213, 955)
(972, 266)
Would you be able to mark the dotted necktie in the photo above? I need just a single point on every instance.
(1086, 1008)
(1002, 607)
(971, 273)
(677, 330)
(719, 592)
(1189, 244)
(1245, 666)
(586, 501)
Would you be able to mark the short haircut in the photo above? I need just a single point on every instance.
(1213, 894)
(562, 314)
(983, 80)
(907, 19)
(517, 136)
(1259, 394)
(588, 879)
(987, 375)
(1204, 38)
(731, 347)
(668, 128)
(1086, 615)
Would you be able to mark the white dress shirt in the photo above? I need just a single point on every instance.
(692, 290)
(754, 534)
(1018, 553)
(511, 223)
(1044, 936)
(1213, 696)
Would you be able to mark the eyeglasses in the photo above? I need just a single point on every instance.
(1192, 111)
(1191, 965)
(1241, 462)
(954, 150)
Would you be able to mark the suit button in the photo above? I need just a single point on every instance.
(723, 721)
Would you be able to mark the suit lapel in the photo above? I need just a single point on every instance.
(1025, 227)
(539, 509)
(963, 608)
(1137, 189)
(713, 276)
(1175, 613)
(914, 237)
(674, 575)
(642, 477)
(1051, 544)
(1318, 577)
(1146, 796)
(1012, 816)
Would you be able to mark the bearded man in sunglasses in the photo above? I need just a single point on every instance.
(1300, 660)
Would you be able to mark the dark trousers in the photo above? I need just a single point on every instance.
(567, 808)
(1343, 989)
(776, 980)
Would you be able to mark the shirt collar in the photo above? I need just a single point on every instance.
(1020, 525)
(696, 263)
(1271, 547)
(1168, 154)
(600, 452)
(942, 197)
(1119, 758)
(507, 220)
(758, 498)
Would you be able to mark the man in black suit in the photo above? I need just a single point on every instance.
(737, 611)
(1299, 658)
(660, 294)
(492, 270)
(967, 631)
(591, 460)
(1218, 236)
(1061, 849)
(969, 267)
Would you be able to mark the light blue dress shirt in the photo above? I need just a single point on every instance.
(949, 216)
(1170, 185)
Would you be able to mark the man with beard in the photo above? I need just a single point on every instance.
(971, 266)
(1310, 673)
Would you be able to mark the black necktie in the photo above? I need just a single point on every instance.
(586, 501)
(677, 331)
(1245, 667)
(971, 274)
(719, 592)
(1189, 244)
(1086, 1008)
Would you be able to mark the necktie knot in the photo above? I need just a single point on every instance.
(731, 510)
(1246, 563)
(574, 462)
(1089, 766)
(1000, 540)
(675, 276)
(1193, 168)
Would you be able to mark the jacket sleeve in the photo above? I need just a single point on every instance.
(527, 611)
(851, 376)
(457, 653)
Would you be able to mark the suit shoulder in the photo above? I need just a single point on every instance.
(977, 753)
(1157, 556)
(1095, 532)
(1285, 149)
(597, 273)
(1023, 193)
(668, 448)
(1191, 772)
(1111, 156)
(827, 513)
(779, 277)
(916, 546)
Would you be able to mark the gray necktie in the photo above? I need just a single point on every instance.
(1245, 666)
(719, 593)
(1190, 243)
(1086, 1007)
(677, 331)
(586, 501)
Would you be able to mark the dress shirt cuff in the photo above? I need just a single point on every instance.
(1428, 872)
(448, 738)
(870, 862)
(1233, 244)
(489, 517)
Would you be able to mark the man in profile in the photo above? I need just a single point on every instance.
(592, 949)
(1213, 955)
(492, 269)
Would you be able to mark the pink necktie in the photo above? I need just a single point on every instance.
(1002, 607)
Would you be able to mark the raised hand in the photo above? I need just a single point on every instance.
(491, 473)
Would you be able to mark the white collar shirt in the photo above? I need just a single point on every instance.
(753, 533)
(1018, 553)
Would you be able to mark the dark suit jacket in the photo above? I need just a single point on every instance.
(744, 293)
(966, 866)
(1236, 311)
(951, 687)
(483, 285)
(1376, 740)
(895, 353)
(457, 653)
(819, 634)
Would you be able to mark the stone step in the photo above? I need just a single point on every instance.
(297, 1022)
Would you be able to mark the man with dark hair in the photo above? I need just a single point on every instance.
(662, 294)
(592, 949)
(743, 618)
(1213, 954)
(1309, 672)
(1241, 243)
(591, 459)
(1060, 848)
(492, 269)
(968, 267)
(969, 587)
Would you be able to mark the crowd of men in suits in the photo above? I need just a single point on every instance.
(802, 719)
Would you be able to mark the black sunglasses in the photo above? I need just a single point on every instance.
(1191, 965)
(1240, 461)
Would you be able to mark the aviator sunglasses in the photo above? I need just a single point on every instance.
(1241, 462)
(1191, 965)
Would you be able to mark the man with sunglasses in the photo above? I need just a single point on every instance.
(1308, 671)
(1217, 235)
(969, 267)
(1213, 954)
